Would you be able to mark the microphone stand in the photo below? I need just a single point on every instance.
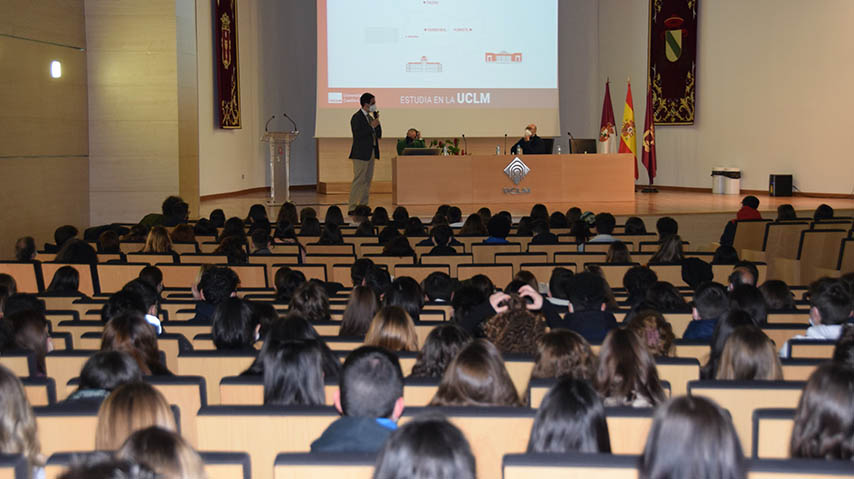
(505, 145)
(268, 123)
(465, 144)
(292, 122)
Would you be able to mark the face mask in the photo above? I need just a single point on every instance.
(373, 108)
(529, 132)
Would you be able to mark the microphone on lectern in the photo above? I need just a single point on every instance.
(570, 135)
(465, 144)
(505, 145)
(291, 120)
(268, 123)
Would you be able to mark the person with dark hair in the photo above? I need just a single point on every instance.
(379, 280)
(60, 237)
(103, 372)
(121, 303)
(440, 348)
(175, 211)
(427, 447)
(380, 216)
(216, 284)
(442, 236)
(749, 355)
(726, 325)
(669, 252)
(264, 314)
(843, 352)
(515, 329)
(824, 419)
(539, 212)
(563, 353)
(75, 251)
(542, 233)
(25, 249)
(438, 287)
(777, 295)
(103, 466)
(234, 326)
(414, 227)
(786, 212)
(293, 374)
(666, 226)
(361, 308)
(635, 226)
(477, 376)
(692, 437)
(330, 234)
(605, 224)
(108, 242)
(823, 212)
(406, 293)
(587, 315)
(183, 233)
(311, 302)
(627, 375)
(498, 228)
(359, 269)
(65, 282)
(30, 329)
(370, 399)
(710, 304)
(743, 272)
(830, 309)
(234, 248)
(466, 301)
(748, 299)
(306, 213)
(150, 300)
(334, 216)
(366, 129)
(217, 218)
(558, 294)
(637, 281)
(293, 328)
(725, 255)
(261, 242)
(153, 277)
(399, 247)
(132, 334)
(618, 253)
(400, 217)
(361, 214)
(664, 297)
(288, 213)
(557, 220)
(455, 217)
(310, 227)
(749, 211)
(473, 226)
(571, 418)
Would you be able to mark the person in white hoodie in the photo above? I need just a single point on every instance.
(830, 309)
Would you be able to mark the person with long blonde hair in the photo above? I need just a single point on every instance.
(157, 241)
(392, 328)
(166, 452)
(127, 409)
(18, 434)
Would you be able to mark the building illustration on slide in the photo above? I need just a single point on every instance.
(424, 66)
(503, 57)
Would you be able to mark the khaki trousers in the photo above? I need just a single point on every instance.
(363, 173)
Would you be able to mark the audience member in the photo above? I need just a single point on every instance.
(777, 295)
(103, 372)
(786, 212)
(183, 233)
(380, 216)
(627, 375)
(618, 253)
(392, 328)
(440, 348)
(830, 308)
(60, 236)
(823, 212)
(233, 326)
(605, 223)
(637, 281)
(749, 355)
(571, 418)
(744, 272)
(18, 433)
(293, 374)
(515, 329)
(438, 287)
(692, 437)
(30, 330)
(587, 315)
(748, 299)
(215, 285)
(361, 308)
(399, 247)
(824, 419)
(709, 306)
(663, 296)
(666, 226)
(426, 447)
(558, 281)
(152, 276)
(542, 234)
(127, 409)
(370, 400)
(287, 281)
(130, 333)
(558, 220)
(442, 236)
(563, 353)
(334, 216)
(75, 251)
(330, 235)
(473, 226)
(310, 227)
(726, 325)
(102, 466)
(654, 332)
(25, 249)
(498, 228)
(261, 242)
(65, 282)
(359, 269)
(310, 302)
(406, 293)
(843, 352)
(725, 255)
(476, 377)
(670, 251)
(165, 452)
(264, 314)
(749, 211)
(635, 226)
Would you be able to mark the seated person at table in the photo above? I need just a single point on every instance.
(370, 400)
(587, 315)
(530, 143)
(412, 140)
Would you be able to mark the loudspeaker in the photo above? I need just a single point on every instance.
(780, 185)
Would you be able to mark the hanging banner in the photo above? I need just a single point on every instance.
(227, 77)
(673, 60)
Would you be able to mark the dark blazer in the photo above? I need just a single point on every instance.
(592, 325)
(363, 139)
(352, 434)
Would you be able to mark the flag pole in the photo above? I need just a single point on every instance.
(649, 140)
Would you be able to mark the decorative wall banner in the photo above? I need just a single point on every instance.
(227, 69)
(673, 60)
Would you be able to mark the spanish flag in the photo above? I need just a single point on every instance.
(627, 131)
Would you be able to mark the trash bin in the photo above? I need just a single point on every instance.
(726, 181)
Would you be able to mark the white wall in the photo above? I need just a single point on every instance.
(230, 160)
(773, 90)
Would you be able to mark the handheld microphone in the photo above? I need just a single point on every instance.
(465, 144)
(268, 123)
(292, 121)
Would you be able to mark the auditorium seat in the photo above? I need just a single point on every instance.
(469, 241)
(327, 260)
(806, 348)
(499, 274)
(789, 317)
(64, 365)
(87, 283)
(391, 262)
(203, 258)
(698, 350)
(249, 391)
(179, 275)
(678, 372)
(324, 465)
(372, 248)
(273, 259)
(14, 466)
(772, 429)
(113, 276)
(799, 469)
(40, 391)
(782, 332)
(324, 249)
(189, 394)
(749, 234)
(671, 273)
(819, 249)
(419, 272)
(614, 272)
(227, 465)
(453, 261)
(569, 464)
(77, 328)
(485, 253)
(21, 363)
(517, 259)
(152, 258)
(798, 369)
(56, 424)
(359, 241)
(213, 366)
(782, 239)
(418, 392)
(741, 398)
(28, 275)
(846, 256)
(311, 271)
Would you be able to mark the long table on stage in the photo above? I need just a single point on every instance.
(481, 179)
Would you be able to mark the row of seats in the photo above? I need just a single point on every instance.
(266, 432)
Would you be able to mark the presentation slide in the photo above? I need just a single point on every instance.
(481, 67)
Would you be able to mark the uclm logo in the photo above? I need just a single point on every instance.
(516, 170)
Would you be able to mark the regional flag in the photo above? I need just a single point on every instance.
(607, 134)
(648, 154)
(627, 131)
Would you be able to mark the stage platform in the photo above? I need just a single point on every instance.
(701, 215)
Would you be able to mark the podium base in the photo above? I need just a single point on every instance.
(649, 189)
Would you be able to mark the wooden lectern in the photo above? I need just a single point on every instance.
(280, 164)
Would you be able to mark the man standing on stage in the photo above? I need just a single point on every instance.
(365, 125)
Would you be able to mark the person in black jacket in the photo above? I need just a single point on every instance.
(365, 125)
(587, 315)
(530, 144)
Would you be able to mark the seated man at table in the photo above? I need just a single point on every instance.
(530, 143)
(370, 400)
(412, 140)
